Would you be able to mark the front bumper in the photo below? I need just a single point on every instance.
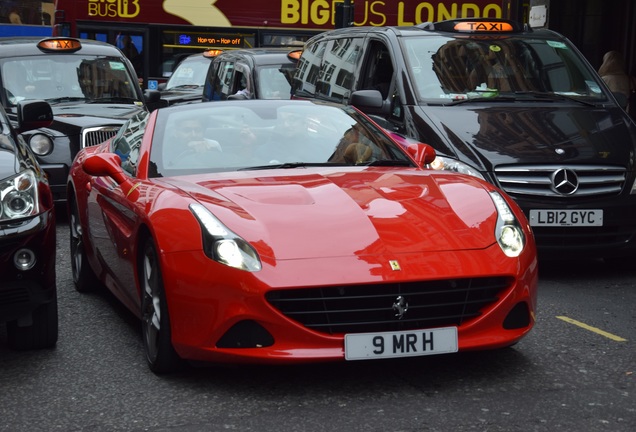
(214, 304)
(23, 291)
(616, 237)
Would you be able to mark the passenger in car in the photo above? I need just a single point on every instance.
(612, 71)
(14, 78)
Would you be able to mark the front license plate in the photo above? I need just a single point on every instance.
(364, 346)
(579, 218)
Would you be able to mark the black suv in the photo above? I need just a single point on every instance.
(517, 106)
(91, 87)
(28, 296)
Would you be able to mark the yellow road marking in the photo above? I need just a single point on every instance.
(592, 329)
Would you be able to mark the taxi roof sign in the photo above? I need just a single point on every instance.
(59, 45)
(210, 53)
(478, 25)
(483, 26)
(295, 55)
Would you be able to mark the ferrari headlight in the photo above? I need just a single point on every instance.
(443, 163)
(223, 245)
(508, 232)
(41, 144)
(19, 196)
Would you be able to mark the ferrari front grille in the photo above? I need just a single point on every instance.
(97, 135)
(389, 307)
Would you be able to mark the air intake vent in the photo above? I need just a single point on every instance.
(389, 307)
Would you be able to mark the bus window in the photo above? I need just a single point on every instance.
(132, 47)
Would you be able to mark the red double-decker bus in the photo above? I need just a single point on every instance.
(156, 34)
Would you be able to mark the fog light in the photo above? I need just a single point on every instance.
(24, 259)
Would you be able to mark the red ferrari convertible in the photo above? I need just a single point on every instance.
(295, 231)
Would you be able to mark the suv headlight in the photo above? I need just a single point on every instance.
(19, 196)
(443, 163)
(223, 245)
(508, 231)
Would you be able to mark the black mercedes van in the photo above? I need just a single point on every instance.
(519, 107)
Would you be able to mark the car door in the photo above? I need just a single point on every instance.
(112, 217)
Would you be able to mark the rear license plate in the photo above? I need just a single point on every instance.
(364, 346)
(578, 218)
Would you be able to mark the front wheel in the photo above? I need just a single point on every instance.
(41, 332)
(160, 353)
(84, 277)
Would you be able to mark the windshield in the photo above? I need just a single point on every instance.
(190, 72)
(259, 134)
(60, 78)
(446, 69)
(273, 81)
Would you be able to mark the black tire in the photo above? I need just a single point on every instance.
(155, 320)
(84, 278)
(42, 333)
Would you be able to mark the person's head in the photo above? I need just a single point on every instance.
(613, 63)
(352, 134)
(291, 124)
(190, 129)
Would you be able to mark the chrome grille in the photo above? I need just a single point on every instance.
(369, 308)
(97, 135)
(537, 180)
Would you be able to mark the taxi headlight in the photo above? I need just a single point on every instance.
(443, 163)
(41, 144)
(223, 245)
(508, 231)
(19, 196)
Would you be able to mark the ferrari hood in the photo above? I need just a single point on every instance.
(310, 215)
(527, 133)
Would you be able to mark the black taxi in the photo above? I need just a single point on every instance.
(90, 85)
(517, 106)
(251, 73)
(185, 84)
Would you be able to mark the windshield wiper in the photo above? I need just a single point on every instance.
(185, 86)
(115, 99)
(387, 162)
(552, 96)
(497, 98)
(65, 99)
(281, 166)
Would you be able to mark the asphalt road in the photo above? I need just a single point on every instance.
(576, 371)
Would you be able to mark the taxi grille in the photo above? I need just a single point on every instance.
(97, 135)
(369, 308)
(539, 180)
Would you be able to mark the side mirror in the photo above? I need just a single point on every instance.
(423, 154)
(34, 115)
(104, 165)
(153, 100)
(621, 99)
(365, 99)
(109, 165)
(370, 102)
